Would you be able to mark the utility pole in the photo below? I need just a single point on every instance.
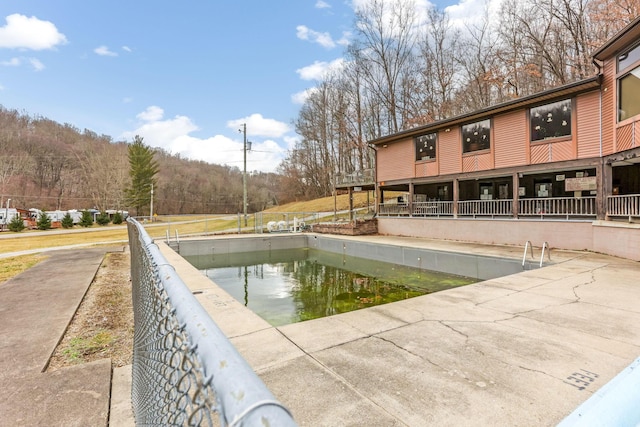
(244, 175)
(151, 207)
(6, 216)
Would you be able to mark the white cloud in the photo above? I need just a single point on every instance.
(17, 62)
(13, 62)
(300, 97)
(323, 39)
(173, 135)
(127, 100)
(1, 87)
(345, 39)
(420, 9)
(260, 126)
(22, 32)
(104, 51)
(322, 5)
(319, 69)
(151, 114)
(292, 141)
(36, 64)
(127, 49)
(468, 11)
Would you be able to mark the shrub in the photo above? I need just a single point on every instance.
(67, 221)
(44, 222)
(117, 218)
(103, 218)
(86, 220)
(16, 224)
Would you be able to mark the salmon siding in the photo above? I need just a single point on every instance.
(577, 145)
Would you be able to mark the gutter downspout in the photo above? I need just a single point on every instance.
(599, 66)
(376, 191)
(602, 194)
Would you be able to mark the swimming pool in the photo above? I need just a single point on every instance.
(483, 267)
(292, 285)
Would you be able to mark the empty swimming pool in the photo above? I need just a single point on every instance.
(203, 252)
(292, 285)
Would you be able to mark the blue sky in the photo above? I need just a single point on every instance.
(184, 75)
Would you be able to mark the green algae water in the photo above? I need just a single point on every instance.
(294, 285)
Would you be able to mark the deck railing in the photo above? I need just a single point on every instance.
(184, 368)
(393, 209)
(625, 206)
(497, 207)
(568, 207)
(364, 177)
(433, 208)
(558, 206)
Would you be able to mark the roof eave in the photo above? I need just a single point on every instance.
(620, 41)
(569, 89)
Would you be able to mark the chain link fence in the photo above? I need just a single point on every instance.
(185, 370)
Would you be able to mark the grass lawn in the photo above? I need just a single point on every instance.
(117, 234)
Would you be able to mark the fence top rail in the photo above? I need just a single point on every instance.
(624, 196)
(487, 201)
(242, 396)
(542, 199)
(433, 201)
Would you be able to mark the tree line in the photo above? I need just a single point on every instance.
(408, 67)
(52, 166)
(405, 67)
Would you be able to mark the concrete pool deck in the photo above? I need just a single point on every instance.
(524, 349)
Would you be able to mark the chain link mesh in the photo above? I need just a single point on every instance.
(169, 386)
(185, 370)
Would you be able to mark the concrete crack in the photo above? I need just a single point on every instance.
(466, 337)
(537, 371)
(410, 352)
(575, 288)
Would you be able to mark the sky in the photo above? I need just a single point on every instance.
(185, 76)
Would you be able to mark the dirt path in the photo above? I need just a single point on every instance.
(103, 325)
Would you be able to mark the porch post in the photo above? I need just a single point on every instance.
(351, 216)
(410, 204)
(604, 188)
(456, 196)
(515, 207)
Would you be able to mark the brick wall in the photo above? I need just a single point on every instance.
(348, 228)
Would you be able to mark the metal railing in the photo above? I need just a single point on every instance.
(626, 206)
(184, 368)
(558, 206)
(364, 177)
(393, 209)
(433, 208)
(568, 207)
(497, 207)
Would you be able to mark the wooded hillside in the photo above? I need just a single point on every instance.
(47, 165)
(407, 67)
(404, 67)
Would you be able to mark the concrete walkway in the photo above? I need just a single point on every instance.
(35, 309)
(521, 350)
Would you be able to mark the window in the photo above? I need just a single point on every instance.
(476, 136)
(426, 146)
(627, 59)
(629, 83)
(629, 95)
(551, 120)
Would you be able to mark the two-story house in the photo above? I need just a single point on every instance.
(561, 166)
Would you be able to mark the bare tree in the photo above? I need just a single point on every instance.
(481, 72)
(385, 47)
(439, 75)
